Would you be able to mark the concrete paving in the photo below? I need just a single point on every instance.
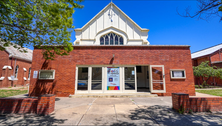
(114, 111)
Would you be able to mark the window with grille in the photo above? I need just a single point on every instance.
(111, 39)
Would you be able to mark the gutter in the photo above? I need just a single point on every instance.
(131, 46)
(17, 57)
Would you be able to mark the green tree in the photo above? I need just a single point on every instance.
(45, 24)
(205, 72)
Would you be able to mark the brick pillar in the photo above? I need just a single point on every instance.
(46, 104)
(180, 101)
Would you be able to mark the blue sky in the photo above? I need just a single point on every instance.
(161, 18)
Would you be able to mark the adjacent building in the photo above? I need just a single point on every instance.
(15, 67)
(112, 55)
(214, 56)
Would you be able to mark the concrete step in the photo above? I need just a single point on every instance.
(123, 95)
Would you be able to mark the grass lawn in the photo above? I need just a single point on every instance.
(209, 86)
(7, 93)
(216, 92)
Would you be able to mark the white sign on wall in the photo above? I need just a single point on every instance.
(177, 74)
(35, 74)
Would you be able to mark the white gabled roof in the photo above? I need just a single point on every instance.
(111, 4)
(206, 51)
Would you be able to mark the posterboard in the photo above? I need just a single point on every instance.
(113, 78)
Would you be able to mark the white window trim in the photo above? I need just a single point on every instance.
(114, 36)
(171, 75)
(151, 80)
(47, 78)
(104, 80)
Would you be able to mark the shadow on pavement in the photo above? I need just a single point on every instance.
(28, 119)
(164, 115)
(143, 115)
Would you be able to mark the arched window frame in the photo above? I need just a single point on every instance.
(114, 35)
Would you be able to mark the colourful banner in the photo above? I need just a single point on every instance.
(113, 78)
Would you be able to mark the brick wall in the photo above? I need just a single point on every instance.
(196, 104)
(5, 61)
(21, 73)
(64, 66)
(43, 105)
(211, 58)
(216, 56)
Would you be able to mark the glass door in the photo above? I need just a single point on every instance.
(157, 78)
(129, 78)
(96, 82)
(82, 83)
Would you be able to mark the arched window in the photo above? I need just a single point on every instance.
(111, 39)
(16, 71)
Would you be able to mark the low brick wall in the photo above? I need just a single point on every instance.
(42, 105)
(196, 104)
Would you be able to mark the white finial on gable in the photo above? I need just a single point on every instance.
(111, 13)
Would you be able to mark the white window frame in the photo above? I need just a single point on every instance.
(90, 79)
(130, 91)
(47, 78)
(114, 36)
(104, 80)
(151, 80)
(76, 82)
(171, 73)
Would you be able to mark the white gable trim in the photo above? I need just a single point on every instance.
(207, 51)
(111, 3)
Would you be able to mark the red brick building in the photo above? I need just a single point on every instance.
(112, 55)
(15, 67)
(214, 56)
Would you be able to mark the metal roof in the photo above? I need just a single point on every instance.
(15, 53)
(206, 51)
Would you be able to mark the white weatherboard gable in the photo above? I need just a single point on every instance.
(111, 19)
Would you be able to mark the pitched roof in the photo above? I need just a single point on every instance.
(112, 4)
(15, 53)
(206, 51)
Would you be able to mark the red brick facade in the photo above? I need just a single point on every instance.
(43, 105)
(196, 104)
(215, 59)
(176, 57)
(6, 61)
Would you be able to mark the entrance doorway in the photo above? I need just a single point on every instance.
(143, 78)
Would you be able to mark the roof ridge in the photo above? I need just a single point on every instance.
(207, 48)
